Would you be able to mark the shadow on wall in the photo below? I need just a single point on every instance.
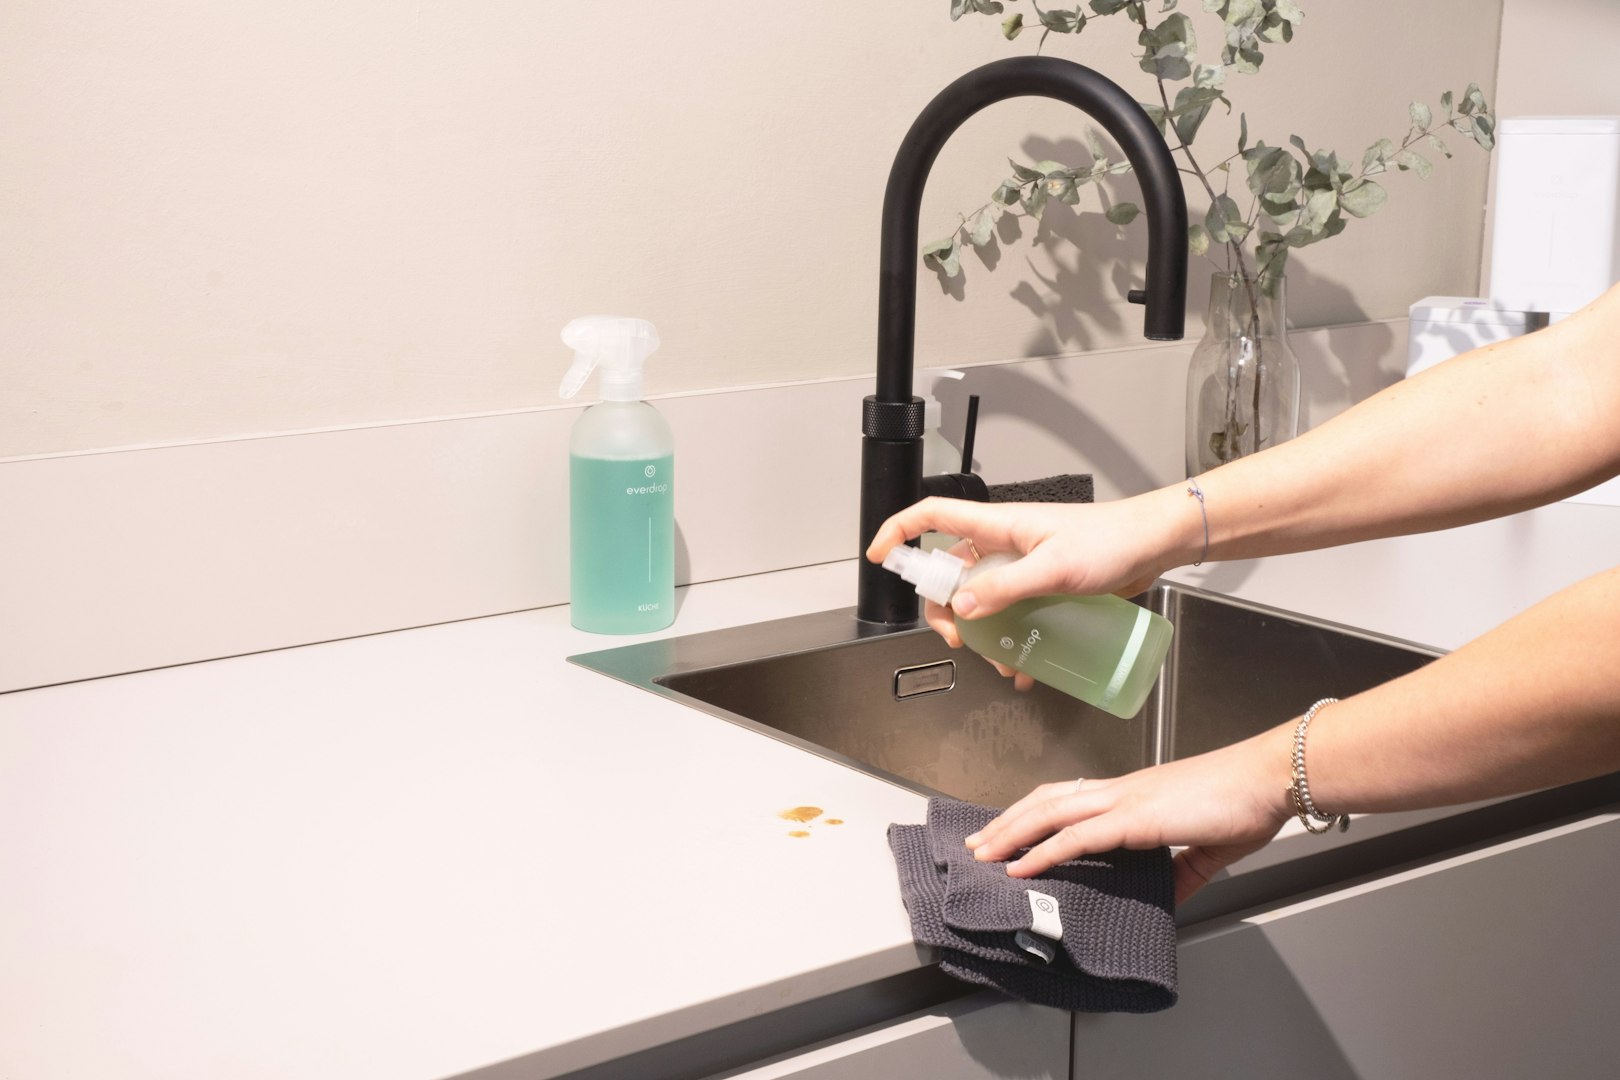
(1093, 262)
(1005, 391)
(1333, 377)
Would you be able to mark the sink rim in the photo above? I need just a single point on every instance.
(647, 664)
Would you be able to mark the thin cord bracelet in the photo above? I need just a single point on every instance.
(1300, 789)
(1198, 493)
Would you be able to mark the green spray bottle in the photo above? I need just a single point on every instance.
(621, 485)
(1101, 649)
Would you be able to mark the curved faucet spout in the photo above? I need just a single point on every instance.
(891, 470)
(1164, 204)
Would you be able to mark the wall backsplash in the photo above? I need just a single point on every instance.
(229, 219)
(142, 558)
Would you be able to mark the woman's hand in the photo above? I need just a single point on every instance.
(1087, 548)
(1222, 806)
(1083, 548)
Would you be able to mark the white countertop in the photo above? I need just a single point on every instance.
(420, 853)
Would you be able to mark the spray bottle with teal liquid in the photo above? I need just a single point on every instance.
(621, 485)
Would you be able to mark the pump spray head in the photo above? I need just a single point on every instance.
(935, 573)
(620, 345)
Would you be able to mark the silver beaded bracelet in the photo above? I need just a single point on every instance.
(1301, 788)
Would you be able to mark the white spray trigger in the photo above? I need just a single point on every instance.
(620, 345)
(578, 372)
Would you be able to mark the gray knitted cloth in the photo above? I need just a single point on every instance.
(1068, 488)
(1089, 935)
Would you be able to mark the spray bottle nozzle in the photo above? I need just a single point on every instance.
(935, 573)
(619, 345)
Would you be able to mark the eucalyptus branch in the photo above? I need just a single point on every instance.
(1297, 196)
(1296, 199)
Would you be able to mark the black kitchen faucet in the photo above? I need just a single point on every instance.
(892, 418)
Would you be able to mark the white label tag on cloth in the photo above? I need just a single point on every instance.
(1044, 918)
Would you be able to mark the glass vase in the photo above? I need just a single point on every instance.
(1243, 379)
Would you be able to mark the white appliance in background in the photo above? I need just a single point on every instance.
(1443, 326)
(1555, 244)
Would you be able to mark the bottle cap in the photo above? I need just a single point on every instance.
(620, 345)
(935, 574)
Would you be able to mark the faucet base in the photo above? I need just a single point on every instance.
(892, 480)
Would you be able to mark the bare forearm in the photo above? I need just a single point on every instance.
(1532, 704)
(1497, 430)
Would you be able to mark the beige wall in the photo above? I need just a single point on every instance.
(1558, 58)
(225, 219)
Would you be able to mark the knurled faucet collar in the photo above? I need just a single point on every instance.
(892, 421)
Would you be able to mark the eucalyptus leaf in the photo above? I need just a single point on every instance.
(1422, 117)
(1289, 10)
(1024, 173)
(1273, 172)
(1484, 131)
(1410, 159)
(1225, 220)
(1275, 29)
(1280, 205)
(1035, 202)
(1155, 113)
(1318, 208)
(960, 8)
(1008, 193)
(945, 255)
(1107, 7)
(1248, 59)
(1060, 22)
(1168, 47)
(981, 226)
(1445, 103)
(1243, 132)
(1193, 97)
(1197, 239)
(1187, 124)
(1328, 170)
(1436, 142)
(1299, 236)
(1271, 258)
(1362, 200)
(1013, 26)
(1095, 147)
(1192, 105)
(1376, 159)
(1123, 213)
(1238, 12)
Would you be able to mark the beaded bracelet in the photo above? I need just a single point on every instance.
(1300, 789)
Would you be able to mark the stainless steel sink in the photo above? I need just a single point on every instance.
(905, 707)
